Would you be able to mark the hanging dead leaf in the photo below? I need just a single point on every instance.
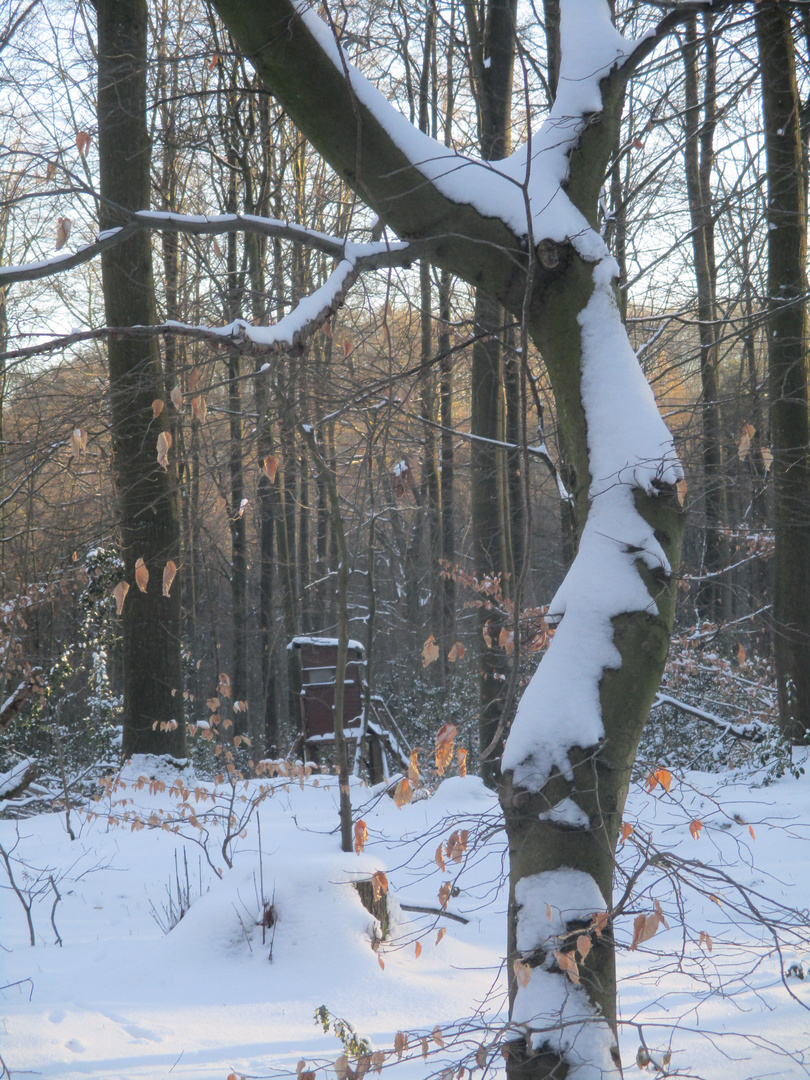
(224, 686)
(157, 407)
(744, 444)
(646, 926)
(212, 703)
(378, 1060)
(583, 946)
(360, 836)
(437, 1036)
(379, 882)
(342, 1067)
(569, 965)
(440, 935)
(481, 1056)
(327, 329)
(461, 758)
(217, 249)
(740, 654)
(444, 894)
(695, 827)
(141, 575)
(177, 398)
(549, 912)
(163, 445)
(78, 442)
(506, 640)
(400, 1043)
(444, 747)
(413, 768)
(212, 63)
(767, 459)
(626, 830)
(193, 379)
(403, 793)
(63, 226)
(456, 653)
(83, 140)
(456, 845)
(659, 776)
(522, 972)
(430, 652)
(270, 467)
(120, 593)
(199, 410)
(169, 574)
(50, 170)
(705, 940)
(599, 921)
(680, 490)
(417, 953)
(485, 630)
(438, 858)
(347, 348)
(637, 143)
(751, 830)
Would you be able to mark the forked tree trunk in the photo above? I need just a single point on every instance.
(567, 762)
(147, 493)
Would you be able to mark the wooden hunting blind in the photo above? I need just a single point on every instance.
(367, 722)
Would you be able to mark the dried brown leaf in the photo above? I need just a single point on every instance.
(169, 574)
(141, 575)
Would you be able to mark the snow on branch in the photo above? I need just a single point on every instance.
(373, 255)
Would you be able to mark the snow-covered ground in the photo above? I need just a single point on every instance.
(121, 999)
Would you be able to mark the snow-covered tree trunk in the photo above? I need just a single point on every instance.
(524, 230)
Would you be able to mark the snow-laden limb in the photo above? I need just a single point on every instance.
(380, 253)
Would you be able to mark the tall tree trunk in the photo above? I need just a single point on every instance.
(788, 366)
(700, 123)
(147, 493)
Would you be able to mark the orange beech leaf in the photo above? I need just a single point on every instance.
(347, 347)
(440, 935)
(751, 830)
(50, 170)
(425, 1044)
(400, 1043)
(157, 407)
(767, 458)
(403, 793)
(439, 858)
(444, 894)
(199, 410)
(583, 946)
(569, 965)
(487, 636)
(506, 640)
(379, 882)
(224, 686)
(380, 961)
(437, 1036)
(444, 747)
(378, 1060)
(270, 467)
(169, 574)
(599, 921)
(83, 141)
(141, 575)
(177, 398)
(430, 652)
(659, 776)
(740, 655)
(681, 489)
(626, 830)
(342, 1067)
(744, 445)
(213, 703)
(418, 952)
(481, 1056)
(461, 758)
(549, 912)
(120, 593)
(456, 845)
(212, 63)
(360, 836)
(456, 653)
(63, 227)
(695, 827)
(163, 444)
(413, 768)
(705, 940)
(522, 972)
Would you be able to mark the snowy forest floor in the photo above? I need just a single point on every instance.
(722, 989)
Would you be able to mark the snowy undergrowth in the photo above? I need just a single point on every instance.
(121, 1000)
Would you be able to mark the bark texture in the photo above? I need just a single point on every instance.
(147, 493)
